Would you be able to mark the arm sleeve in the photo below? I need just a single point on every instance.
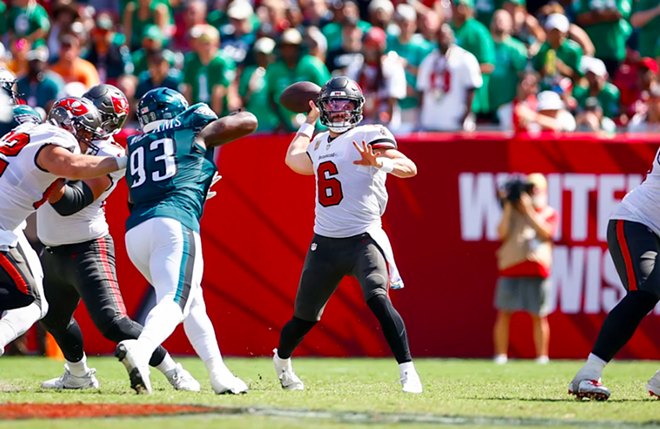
(77, 196)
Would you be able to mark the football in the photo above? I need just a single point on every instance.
(296, 97)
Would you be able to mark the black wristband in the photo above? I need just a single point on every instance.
(77, 196)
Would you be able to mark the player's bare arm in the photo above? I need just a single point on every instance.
(228, 129)
(74, 196)
(402, 166)
(62, 163)
(296, 156)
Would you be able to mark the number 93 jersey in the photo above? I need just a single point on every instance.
(350, 199)
(168, 173)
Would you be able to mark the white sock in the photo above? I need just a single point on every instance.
(167, 364)
(79, 369)
(200, 332)
(16, 322)
(406, 367)
(217, 368)
(594, 366)
(282, 363)
(160, 324)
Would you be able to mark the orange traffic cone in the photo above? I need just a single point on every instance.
(52, 349)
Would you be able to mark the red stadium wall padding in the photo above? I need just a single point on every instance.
(442, 224)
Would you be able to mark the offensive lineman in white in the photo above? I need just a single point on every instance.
(633, 238)
(79, 261)
(351, 164)
(33, 158)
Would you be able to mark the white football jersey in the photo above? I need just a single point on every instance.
(444, 82)
(24, 186)
(89, 223)
(642, 204)
(350, 199)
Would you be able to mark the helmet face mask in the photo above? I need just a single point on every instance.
(78, 116)
(160, 104)
(340, 103)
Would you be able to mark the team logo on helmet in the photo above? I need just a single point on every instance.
(76, 107)
(120, 105)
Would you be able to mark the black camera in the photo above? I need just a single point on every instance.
(514, 188)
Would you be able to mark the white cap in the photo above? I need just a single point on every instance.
(406, 12)
(240, 9)
(557, 21)
(549, 100)
(264, 45)
(40, 54)
(291, 36)
(593, 65)
(385, 5)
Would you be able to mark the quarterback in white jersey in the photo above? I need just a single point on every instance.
(79, 260)
(33, 158)
(351, 164)
(633, 238)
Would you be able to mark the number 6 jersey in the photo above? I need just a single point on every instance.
(24, 186)
(168, 173)
(350, 199)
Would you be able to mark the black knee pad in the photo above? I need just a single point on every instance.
(52, 323)
(117, 330)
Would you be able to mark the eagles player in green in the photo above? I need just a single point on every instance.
(169, 173)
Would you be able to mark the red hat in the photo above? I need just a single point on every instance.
(376, 36)
(649, 63)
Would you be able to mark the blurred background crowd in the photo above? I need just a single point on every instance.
(424, 65)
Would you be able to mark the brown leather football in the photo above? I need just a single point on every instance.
(296, 97)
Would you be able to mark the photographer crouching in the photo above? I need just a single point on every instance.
(524, 261)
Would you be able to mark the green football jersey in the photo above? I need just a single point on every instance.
(168, 173)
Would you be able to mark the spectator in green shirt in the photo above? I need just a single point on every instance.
(151, 42)
(332, 31)
(412, 48)
(597, 86)
(290, 68)
(475, 38)
(605, 22)
(158, 74)
(252, 87)
(28, 20)
(485, 9)
(510, 60)
(207, 75)
(139, 15)
(646, 17)
(558, 56)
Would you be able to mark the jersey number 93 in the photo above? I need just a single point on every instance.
(164, 163)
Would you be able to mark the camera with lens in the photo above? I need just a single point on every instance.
(515, 187)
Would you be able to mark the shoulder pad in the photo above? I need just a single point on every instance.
(197, 116)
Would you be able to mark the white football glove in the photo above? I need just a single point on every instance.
(216, 179)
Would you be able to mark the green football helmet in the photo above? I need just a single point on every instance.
(24, 113)
(160, 104)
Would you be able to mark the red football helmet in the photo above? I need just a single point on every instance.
(78, 116)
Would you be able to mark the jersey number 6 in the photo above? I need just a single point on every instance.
(330, 193)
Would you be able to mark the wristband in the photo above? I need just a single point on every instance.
(122, 161)
(306, 130)
(388, 165)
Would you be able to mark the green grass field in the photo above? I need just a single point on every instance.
(357, 393)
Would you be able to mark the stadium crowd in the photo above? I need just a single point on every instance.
(428, 65)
